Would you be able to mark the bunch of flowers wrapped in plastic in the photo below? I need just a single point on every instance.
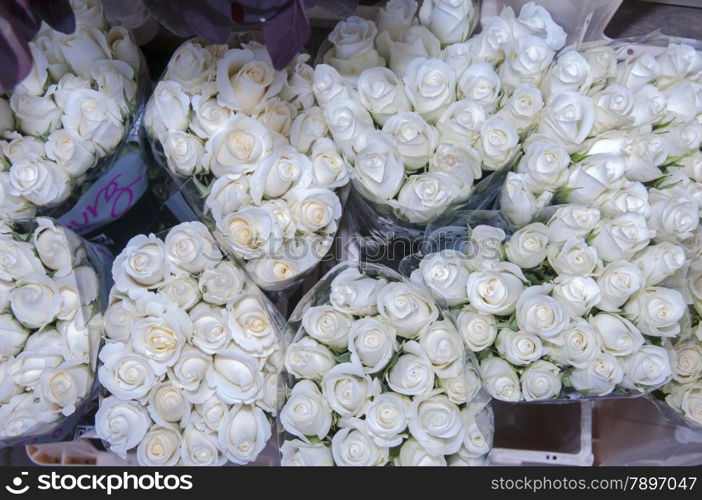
(575, 304)
(50, 328)
(254, 144)
(422, 111)
(191, 357)
(72, 110)
(619, 132)
(378, 376)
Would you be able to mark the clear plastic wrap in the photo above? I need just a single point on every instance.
(250, 153)
(64, 129)
(192, 354)
(352, 342)
(594, 329)
(54, 288)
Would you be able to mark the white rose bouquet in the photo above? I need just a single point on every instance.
(377, 375)
(192, 354)
(254, 147)
(422, 112)
(575, 305)
(51, 326)
(70, 112)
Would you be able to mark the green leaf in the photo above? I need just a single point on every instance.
(659, 126)
(562, 193)
(578, 157)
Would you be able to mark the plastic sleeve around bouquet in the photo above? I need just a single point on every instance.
(249, 150)
(192, 354)
(66, 126)
(551, 312)
(54, 288)
(371, 366)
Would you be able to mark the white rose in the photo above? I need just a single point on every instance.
(386, 418)
(689, 401)
(327, 325)
(382, 94)
(94, 117)
(572, 221)
(500, 379)
(415, 139)
(517, 200)
(314, 209)
(69, 152)
(328, 84)
(296, 453)
(545, 164)
(251, 327)
(496, 290)
(412, 454)
(519, 348)
(462, 163)
(461, 122)
(436, 424)
(658, 262)
(631, 197)
(599, 377)
(430, 85)
(36, 115)
(306, 412)
(427, 195)
(191, 65)
(396, 16)
(348, 389)
(236, 376)
(19, 147)
(35, 301)
(12, 335)
(352, 446)
(183, 153)
(372, 342)
(307, 128)
(443, 346)
(207, 116)
(638, 71)
(541, 380)
(123, 424)
(354, 293)
(684, 100)
(140, 266)
(618, 336)
(238, 146)
(648, 152)
(478, 330)
(569, 118)
(463, 387)
(65, 386)
(160, 336)
(58, 247)
(308, 359)
(279, 172)
(400, 49)
(227, 194)
(329, 169)
(527, 63)
(243, 82)
(297, 91)
(574, 257)
(8, 387)
(580, 343)
(190, 248)
(445, 273)
(594, 176)
(656, 311)
(451, 21)
(677, 62)
(352, 47)
(29, 365)
(222, 283)
(479, 82)
(688, 362)
(603, 63)
(200, 448)
(167, 405)
(692, 166)
(621, 237)
(535, 19)
(244, 434)
(18, 260)
(13, 206)
(570, 73)
(649, 106)
(116, 79)
(24, 414)
(406, 307)
(182, 291)
(413, 373)
(578, 294)
(522, 107)
(349, 123)
(683, 139)
(527, 247)
(210, 413)
(618, 281)
(646, 369)
(190, 369)
(126, 374)
(251, 232)
(674, 214)
(119, 319)
(40, 181)
(497, 143)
